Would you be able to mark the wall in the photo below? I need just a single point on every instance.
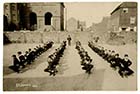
(42, 8)
(7, 11)
(57, 37)
(125, 17)
(123, 38)
(115, 20)
(121, 19)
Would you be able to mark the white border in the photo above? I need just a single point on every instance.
(64, 92)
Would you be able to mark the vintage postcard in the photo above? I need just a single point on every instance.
(70, 46)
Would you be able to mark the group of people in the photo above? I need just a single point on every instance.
(86, 60)
(22, 60)
(113, 58)
(53, 59)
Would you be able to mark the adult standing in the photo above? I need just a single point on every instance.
(69, 40)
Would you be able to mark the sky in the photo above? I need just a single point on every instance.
(90, 11)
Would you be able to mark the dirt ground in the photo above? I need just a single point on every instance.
(70, 75)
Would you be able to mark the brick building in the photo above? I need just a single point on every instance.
(124, 17)
(34, 16)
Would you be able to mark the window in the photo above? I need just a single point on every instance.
(6, 7)
(13, 7)
(48, 17)
(125, 10)
(132, 20)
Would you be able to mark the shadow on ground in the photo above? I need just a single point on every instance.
(75, 83)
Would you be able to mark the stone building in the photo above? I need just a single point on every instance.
(34, 16)
(124, 17)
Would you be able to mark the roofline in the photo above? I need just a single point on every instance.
(118, 7)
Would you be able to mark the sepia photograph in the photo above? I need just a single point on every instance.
(70, 46)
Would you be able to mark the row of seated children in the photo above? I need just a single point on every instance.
(86, 60)
(114, 59)
(22, 60)
(54, 58)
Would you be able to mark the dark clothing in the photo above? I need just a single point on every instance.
(88, 68)
(16, 64)
(126, 63)
(54, 58)
(69, 41)
(30, 57)
(115, 62)
(15, 61)
(125, 67)
(22, 60)
(110, 58)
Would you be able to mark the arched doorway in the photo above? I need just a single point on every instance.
(48, 17)
(33, 21)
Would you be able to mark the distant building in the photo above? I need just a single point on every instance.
(75, 25)
(82, 25)
(72, 24)
(124, 17)
(34, 16)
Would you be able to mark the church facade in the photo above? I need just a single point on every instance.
(34, 16)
